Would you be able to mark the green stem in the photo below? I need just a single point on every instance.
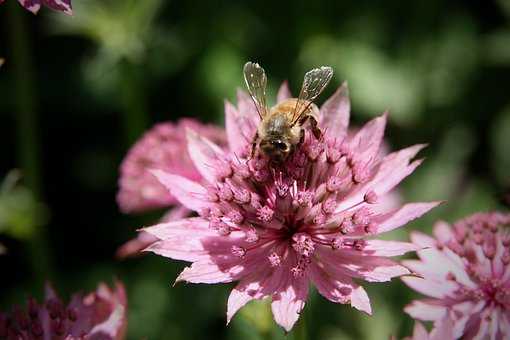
(25, 97)
(133, 101)
(24, 92)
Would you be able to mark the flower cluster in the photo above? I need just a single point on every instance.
(98, 315)
(465, 273)
(275, 229)
(58, 5)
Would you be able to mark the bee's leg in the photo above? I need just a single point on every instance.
(254, 144)
(301, 136)
(314, 125)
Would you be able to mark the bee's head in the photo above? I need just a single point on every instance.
(276, 149)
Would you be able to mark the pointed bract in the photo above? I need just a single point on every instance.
(335, 113)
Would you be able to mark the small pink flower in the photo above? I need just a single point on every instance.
(98, 315)
(58, 5)
(465, 273)
(278, 229)
(162, 147)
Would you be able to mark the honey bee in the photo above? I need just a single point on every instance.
(281, 128)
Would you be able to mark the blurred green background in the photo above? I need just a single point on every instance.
(76, 92)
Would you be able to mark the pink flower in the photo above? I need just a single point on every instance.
(466, 276)
(98, 315)
(275, 230)
(58, 5)
(162, 147)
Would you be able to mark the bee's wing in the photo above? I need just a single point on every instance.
(256, 81)
(313, 84)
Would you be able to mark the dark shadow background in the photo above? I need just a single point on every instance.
(76, 92)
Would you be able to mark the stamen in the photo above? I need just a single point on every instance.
(226, 193)
(359, 244)
(238, 251)
(242, 196)
(334, 184)
(242, 170)
(303, 244)
(265, 214)
(329, 205)
(235, 216)
(371, 197)
(337, 243)
(223, 170)
(346, 227)
(251, 235)
(319, 219)
(371, 228)
(274, 259)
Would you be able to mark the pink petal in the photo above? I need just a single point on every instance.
(257, 285)
(193, 226)
(443, 330)
(393, 168)
(109, 329)
(289, 301)
(135, 246)
(236, 300)
(283, 92)
(356, 265)
(246, 106)
(238, 137)
(367, 141)
(186, 240)
(419, 332)
(176, 213)
(32, 5)
(205, 155)
(203, 272)
(422, 240)
(338, 288)
(241, 124)
(189, 193)
(435, 289)
(437, 264)
(443, 232)
(422, 310)
(335, 113)
(402, 216)
(360, 300)
(144, 239)
(388, 248)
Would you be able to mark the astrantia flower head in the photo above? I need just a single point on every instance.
(98, 315)
(58, 5)
(275, 229)
(466, 275)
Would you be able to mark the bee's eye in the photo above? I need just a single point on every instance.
(280, 145)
